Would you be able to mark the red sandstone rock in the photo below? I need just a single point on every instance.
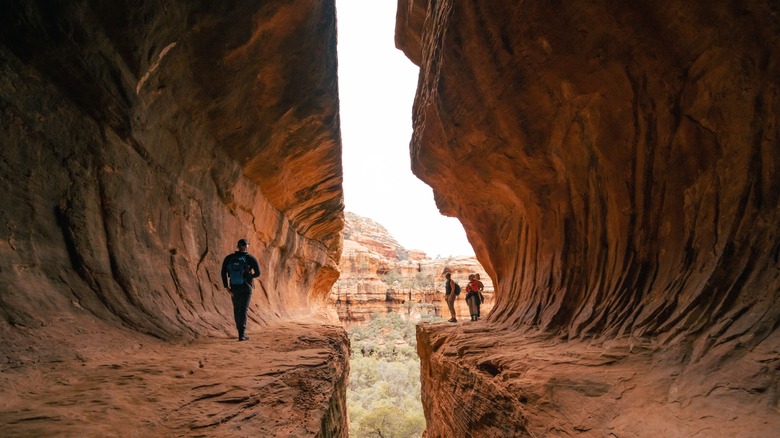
(615, 165)
(140, 142)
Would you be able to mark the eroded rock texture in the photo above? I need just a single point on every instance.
(140, 142)
(615, 165)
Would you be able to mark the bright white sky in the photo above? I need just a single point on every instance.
(376, 86)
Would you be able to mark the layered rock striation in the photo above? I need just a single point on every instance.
(615, 167)
(140, 142)
(378, 276)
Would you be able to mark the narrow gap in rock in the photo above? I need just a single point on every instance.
(383, 292)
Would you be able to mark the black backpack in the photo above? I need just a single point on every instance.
(457, 289)
(237, 269)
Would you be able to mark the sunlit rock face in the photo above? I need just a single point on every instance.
(140, 142)
(615, 167)
(380, 276)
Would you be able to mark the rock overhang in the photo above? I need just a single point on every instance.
(613, 166)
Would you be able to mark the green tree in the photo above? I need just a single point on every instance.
(424, 281)
(391, 277)
(383, 397)
(390, 421)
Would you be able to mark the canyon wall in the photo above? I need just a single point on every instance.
(140, 142)
(615, 166)
(380, 276)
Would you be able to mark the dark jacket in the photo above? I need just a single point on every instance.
(254, 268)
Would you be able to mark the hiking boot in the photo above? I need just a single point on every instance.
(452, 320)
(243, 338)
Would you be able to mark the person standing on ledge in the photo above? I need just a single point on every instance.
(451, 289)
(472, 297)
(238, 271)
(480, 297)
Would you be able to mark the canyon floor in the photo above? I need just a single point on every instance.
(279, 383)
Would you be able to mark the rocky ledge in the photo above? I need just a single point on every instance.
(289, 379)
(482, 381)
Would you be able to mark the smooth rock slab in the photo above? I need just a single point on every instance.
(480, 381)
(289, 379)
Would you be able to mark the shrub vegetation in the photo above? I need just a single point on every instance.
(383, 398)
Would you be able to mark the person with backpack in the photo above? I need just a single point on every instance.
(238, 271)
(451, 290)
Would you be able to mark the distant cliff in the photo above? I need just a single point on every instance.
(378, 275)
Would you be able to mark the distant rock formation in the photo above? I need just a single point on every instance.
(378, 275)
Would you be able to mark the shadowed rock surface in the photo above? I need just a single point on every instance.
(615, 167)
(140, 142)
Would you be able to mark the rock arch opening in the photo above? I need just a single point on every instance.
(621, 189)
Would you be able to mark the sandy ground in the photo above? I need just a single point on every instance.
(279, 383)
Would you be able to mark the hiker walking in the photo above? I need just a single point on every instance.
(451, 289)
(480, 297)
(238, 271)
